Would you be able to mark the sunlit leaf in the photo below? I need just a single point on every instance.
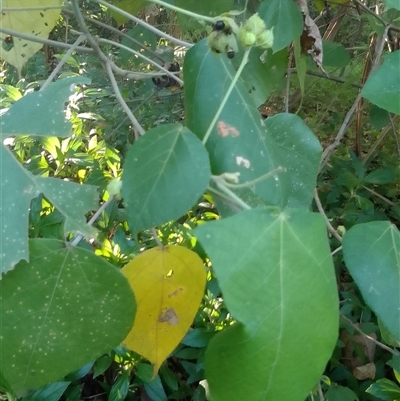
(168, 284)
(273, 269)
(372, 253)
(41, 113)
(19, 187)
(35, 22)
(165, 173)
(63, 295)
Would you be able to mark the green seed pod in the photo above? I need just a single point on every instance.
(255, 25)
(266, 39)
(246, 38)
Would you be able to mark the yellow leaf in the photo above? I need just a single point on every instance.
(32, 21)
(168, 284)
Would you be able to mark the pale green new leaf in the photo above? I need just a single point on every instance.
(277, 279)
(383, 85)
(372, 255)
(49, 305)
(165, 173)
(18, 188)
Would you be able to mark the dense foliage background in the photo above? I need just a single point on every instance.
(178, 224)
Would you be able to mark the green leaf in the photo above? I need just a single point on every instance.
(51, 392)
(285, 18)
(209, 8)
(264, 73)
(144, 36)
(41, 113)
(301, 151)
(372, 253)
(131, 7)
(394, 363)
(384, 389)
(101, 365)
(379, 117)
(48, 305)
(383, 85)
(380, 176)
(165, 173)
(155, 390)
(236, 143)
(340, 393)
(278, 281)
(19, 187)
(391, 4)
(387, 337)
(120, 388)
(335, 55)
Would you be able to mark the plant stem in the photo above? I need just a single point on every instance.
(183, 11)
(249, 184)
(327, 222)
(62, 62)
(227, 94)
(75, 241)
(220, 183)
(378, 343)
(148, 60)
(145, 24)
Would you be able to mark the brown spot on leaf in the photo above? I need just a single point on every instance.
(225, 129)
(169, 316)
(175, 293)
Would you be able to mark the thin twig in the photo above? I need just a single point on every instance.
(61, 63)
(329, 149)
(48, 42)
(327, 222)
(145, 24)
(325, 76)
(137, 128)
(75, 241)
(118, 32)
(93, 42)
(148, 60)
(156, 238)
(388, 201)
(378, 343)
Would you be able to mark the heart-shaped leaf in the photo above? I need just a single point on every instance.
(168, 283)
(372, 254)
(165, 173)
(277, 279)
(49, 305)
